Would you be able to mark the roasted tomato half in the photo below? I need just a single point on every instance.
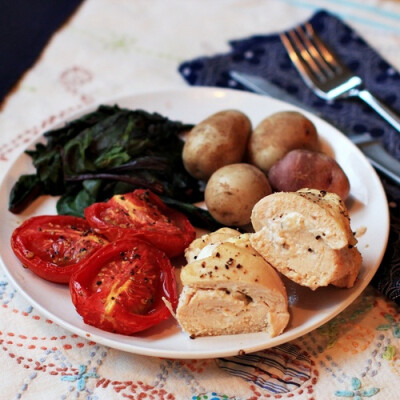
(54, 246)
(121, 288)
(142, 214)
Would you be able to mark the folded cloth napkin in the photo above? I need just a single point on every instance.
(264, 55)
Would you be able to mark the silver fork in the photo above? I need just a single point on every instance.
(325, 74)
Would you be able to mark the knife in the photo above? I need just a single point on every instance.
(372, 149)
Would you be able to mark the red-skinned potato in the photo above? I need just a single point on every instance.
(308, 169)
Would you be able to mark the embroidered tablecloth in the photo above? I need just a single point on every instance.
(113, 48)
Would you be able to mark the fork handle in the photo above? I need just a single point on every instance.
(388, 115)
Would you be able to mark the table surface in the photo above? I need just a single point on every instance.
(110, 49)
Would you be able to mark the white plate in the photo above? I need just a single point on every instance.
(367, 205)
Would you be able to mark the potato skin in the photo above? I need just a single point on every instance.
(219, 140)
(233, 190)
(308, 169)
(277, 134)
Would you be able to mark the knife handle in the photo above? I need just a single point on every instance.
(388, 115)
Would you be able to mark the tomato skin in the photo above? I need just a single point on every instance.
(142, 214)
(54, 246)
(113, 289)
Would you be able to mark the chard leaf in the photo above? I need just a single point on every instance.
(197, 216)
(112, 151)
(26, 189)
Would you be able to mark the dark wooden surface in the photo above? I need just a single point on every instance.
(25, 28)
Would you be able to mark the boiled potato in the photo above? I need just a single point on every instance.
(233, 190)
(219, 140)
(308, 169)
(279, 133)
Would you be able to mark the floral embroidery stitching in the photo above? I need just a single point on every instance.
(357, 393)
(81, 377)
(389, 353)
(391, 324)
(210, 396)
(349, 318)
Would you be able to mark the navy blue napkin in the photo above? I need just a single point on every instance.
(264, 55)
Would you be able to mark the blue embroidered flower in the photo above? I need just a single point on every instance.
(81, 377)
(357, 393)
(391, 324)
(210, 396)
(3, 285)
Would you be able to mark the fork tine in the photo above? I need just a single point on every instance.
(309, 39)
(301, 58)
(303, 52)
(327, 55)
(304, 49)
(296, 58)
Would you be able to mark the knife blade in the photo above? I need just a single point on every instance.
(372, 149)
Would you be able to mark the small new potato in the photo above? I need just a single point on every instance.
(308, 169)
(279, 133)
(219, 140)
(233, 190)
